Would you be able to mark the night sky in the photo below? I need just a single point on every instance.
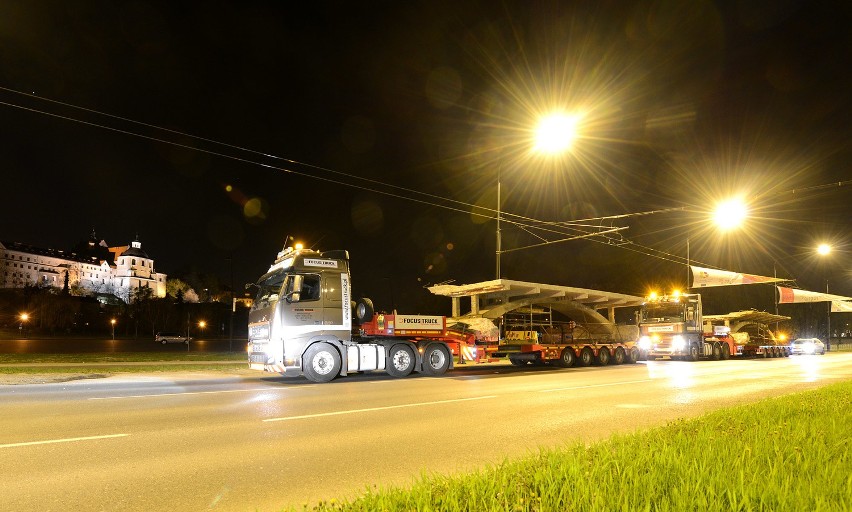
(204, 127)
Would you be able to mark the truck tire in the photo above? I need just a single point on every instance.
(436, 359)
(694, 352)
(567, 358)
(725, 354)
(717, 351)
(364, 310)
(603, 356)
(587, 357)
(516, 362)
(321, 362)
(619, 357)
(400, 361)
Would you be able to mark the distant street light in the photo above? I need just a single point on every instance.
(825, 250)
(22, 327)
(201, 325)
(554, 134)
(112, 322)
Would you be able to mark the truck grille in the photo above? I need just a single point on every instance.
(257, 358)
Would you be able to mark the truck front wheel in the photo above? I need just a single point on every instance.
(436, 360)
(321, 363)
(400, 361)
(694, 352)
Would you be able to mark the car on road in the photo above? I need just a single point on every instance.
(171, 337)
(807, 346)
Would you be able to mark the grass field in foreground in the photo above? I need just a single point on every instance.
(790, 453)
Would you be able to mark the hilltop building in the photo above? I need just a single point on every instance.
(92, 268)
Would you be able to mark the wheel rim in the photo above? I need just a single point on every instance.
(437, 358)
(587, 356)
(401, 360)
(323, 362)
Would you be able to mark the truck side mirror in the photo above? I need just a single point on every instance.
(295, 293)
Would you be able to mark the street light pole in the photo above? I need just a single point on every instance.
(499, 241)
(824, 250)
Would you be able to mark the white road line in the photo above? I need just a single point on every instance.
(66, 440)
(372, 409)
(596, 386)
(200, 392)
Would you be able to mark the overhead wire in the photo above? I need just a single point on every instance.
(574, 229)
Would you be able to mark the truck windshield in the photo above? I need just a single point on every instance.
(268, 290)
(662, 313)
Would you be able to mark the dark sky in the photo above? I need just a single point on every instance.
(190, 111)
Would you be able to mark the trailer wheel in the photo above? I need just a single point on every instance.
(694, 352)
(400, 361)
(364, 310)
(436, 360)
(587, 357)
(567, 358)
(633, 354)
(321, 363)
(618, 357)
(516, 362)
(717, 351)
(725, 351)
(603, 356)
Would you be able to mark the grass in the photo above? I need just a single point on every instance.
(140, 362)
(121, 357)
(790, 453)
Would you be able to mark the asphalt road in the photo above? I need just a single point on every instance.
(88, 345)
(244, 442)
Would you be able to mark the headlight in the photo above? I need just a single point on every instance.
(678, 342)
(645, 343)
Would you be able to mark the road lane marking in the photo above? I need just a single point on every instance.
(66, 440)
(595, 386)
(373, 409)
(199, 393)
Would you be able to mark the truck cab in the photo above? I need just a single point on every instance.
(303, 322)
(302, 299)
(671, 325)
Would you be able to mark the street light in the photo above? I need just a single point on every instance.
(24, 317)
(824, 250)
(554, 134)
(730, 214)
(112, 322)
(201, 325)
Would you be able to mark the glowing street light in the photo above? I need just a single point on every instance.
(112, 322)
(24, 317)
(730, 214)
(554, 134)
(823, 249)
(201, 325)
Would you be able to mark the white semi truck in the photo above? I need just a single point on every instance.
(303, 322)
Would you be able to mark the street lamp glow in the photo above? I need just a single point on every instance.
(823, 249)
(24, 317)
(730, 214)
(556, 133)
